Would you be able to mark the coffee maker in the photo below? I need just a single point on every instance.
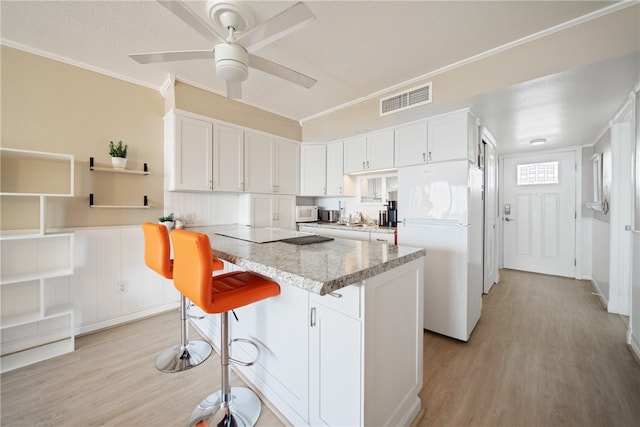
(392, 213)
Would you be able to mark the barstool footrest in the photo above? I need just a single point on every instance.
(246, 341)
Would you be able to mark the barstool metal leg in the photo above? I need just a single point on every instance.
(230, 406)
(187, 354)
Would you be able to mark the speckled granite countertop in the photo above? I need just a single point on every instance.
(319, 268)
(337, 226)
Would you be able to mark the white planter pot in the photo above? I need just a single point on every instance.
(119, 162)
(168, 224)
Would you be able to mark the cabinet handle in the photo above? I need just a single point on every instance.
(335, 294)
(367, 164)
(424, 157)
(340, 189)
(363, 165)
(313, 317)
(210, 185)
(429, 155)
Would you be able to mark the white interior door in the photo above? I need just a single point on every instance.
(490, 216)
(539, 213)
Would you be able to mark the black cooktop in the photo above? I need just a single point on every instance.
(305, 240)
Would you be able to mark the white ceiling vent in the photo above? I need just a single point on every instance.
(402, 101)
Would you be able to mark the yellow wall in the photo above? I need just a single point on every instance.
(190, 98)
(55, 107)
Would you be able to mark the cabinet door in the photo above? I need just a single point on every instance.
(334, 368)
(258, 163)
(228, 157)
(192, 151)
(280, 327)
(355, 154)
(262, 211)
(380, 150)
(286, 171)
(313, 170)
(335, 169)
(284, 212)
(448, 137)
(411, 144)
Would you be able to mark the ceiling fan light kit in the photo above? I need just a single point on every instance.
(231, 62)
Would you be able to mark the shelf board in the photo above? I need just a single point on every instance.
(113, 170)
(24, 236)
(37, 276)
(34, 316)
(119, 207)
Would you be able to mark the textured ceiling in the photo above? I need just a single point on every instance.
(353, 48)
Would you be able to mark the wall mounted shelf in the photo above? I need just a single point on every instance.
(94, 168)
(145, 204)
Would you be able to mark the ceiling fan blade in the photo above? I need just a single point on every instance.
(234, 90)
(179, 9)
(149, 58)
(279, 26)
(280, 71)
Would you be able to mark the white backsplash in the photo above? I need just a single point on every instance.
(203, 208)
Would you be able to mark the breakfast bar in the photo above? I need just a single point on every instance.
(343, 342)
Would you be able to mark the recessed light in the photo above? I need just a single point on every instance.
(537, 141)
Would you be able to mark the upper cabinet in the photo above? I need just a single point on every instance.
(228, 158)
(313, 163)
(448, 137)
(188, 148)
(271, 165)
(337, 183)
(204, 155)
(369, 152)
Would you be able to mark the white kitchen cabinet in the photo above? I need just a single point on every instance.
(280, 327)
(389, 238)
(313, 170)
(338, 184)
(36, 320)
(267, 210)
(228, 158)
(411, 147)
(335, 358)
(271, 165)
(345, 233)
(188, 159)
(452, 137)
(448, 137)
(369, 152)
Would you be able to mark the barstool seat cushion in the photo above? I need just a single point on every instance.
(215, 294)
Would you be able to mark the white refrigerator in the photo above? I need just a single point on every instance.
(440, 208)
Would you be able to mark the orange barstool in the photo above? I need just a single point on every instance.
(157, 256)
(237, 406)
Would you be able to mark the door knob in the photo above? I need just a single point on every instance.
(509, 219)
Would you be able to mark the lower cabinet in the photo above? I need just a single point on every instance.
(335, 361)
(350, 358)
(268, 210)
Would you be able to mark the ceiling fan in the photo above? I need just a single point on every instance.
(232, 52)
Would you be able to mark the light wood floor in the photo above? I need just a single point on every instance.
(545, 353)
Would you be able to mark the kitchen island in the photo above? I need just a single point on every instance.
(342, 343)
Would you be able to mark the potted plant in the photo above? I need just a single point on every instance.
(167, 221)
(118, 153)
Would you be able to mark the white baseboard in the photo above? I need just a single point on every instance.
(603, 299)
(634, 345)
(109, 323)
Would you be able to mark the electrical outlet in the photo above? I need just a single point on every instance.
(123, 287)
(188, 217)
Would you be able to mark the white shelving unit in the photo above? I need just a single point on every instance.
(93, 168)
(33, 330)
